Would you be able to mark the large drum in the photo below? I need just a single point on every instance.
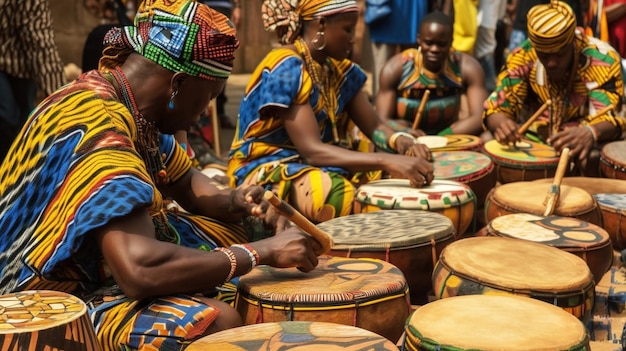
(528, 197)
(585, 240)
(613, 210)
(592, 185)
(45, 320)
(483, 322)
(613, 160)
(452, 199)
(469, 167)
(453, 142)
(410, 240)
(293, 336)
(527, 160)
(366, 293)
(495, 265)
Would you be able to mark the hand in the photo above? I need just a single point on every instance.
(506, 132)
(289, 248)
(249, 200)
(416, 169)
(408, 146)
(578, 139)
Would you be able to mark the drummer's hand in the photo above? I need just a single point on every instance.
(409, 147)
(289, 248)
(249, 199)
(417, 170)
(578, 139)
(416, 132)
(506, 132)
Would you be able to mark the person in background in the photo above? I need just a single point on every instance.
(435, 67)
(291, 135)
(580, 77)
(616, 17)
(489, 13)
(29, 61)
(82, 194)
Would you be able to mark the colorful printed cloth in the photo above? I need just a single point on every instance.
(444, 102)
(73, 169)
(262, 152)
(523, 83)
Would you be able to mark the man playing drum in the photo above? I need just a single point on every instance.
(580, 75)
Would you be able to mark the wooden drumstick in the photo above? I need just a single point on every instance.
(298, 219)
(418, 116)
(552, 197)
(532, 118)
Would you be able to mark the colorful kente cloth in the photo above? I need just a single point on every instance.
(262, 150)
(523, 83)
(442, 108)
(72, 169)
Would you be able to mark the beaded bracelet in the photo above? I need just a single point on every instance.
(594, 135)
(379, 138)
(233, 261)
(254, 256)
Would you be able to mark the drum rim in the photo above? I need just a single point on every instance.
(570, 212)
(478, 173)
(469, 195)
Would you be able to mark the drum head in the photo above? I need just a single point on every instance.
(613, 153)
(458, 142)
(524, 152)
(380, 230)
(398, 194)
(613, 202)
(528, 197)
(492, 322)
(460, 165)
(433, 141)
(591, 185)
(561, 232)
(511, 264)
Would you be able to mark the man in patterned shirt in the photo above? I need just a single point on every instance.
(579, 74)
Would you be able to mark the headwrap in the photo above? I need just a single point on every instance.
(551, 26)
(180, 35)
(286, 16)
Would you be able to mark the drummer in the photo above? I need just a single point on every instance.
(581, 77)
(435, 67)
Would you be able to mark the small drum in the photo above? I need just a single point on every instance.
(612, 160)
(592, 185)
(526, 161)
(452, 199)
(461, 142)
(585, 240)
(613, 210)
(293, 336)
(469, 167)
(528, 197)
(393, 236)
(494, 265)
(365, 293)
(484, 322)
(45, 320)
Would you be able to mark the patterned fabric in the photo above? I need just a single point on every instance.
(551, 26)
(442, 108)
(523, 83)
(289, 14)
(74, 169)
(179, 36)
(261, 142)
(28, 49)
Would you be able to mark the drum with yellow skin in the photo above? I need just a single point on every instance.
(526, 160)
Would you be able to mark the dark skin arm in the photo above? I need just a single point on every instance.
(145, 267)
(474, 80)
(580, 140)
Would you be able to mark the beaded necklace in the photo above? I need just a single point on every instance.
(559, 94)
(321, 79)
(147, 143)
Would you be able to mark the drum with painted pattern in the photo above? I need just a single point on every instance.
(613, 210)
(527, 160)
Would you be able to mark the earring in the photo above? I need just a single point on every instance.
(319, 36)
(171, 103)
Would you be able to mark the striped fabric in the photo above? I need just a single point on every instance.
(27, 47)
(551, 26)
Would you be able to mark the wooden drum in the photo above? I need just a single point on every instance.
(469, 167)
(366, 293)
(410, 240)
(455, 142)
(585, 240)
(592, 185)
(485, 322)
(495, 265)
(293, 336)
(45, 320)
(613, 210)
(452, 199)
(613, 160)
(528, 197)
(527, 160)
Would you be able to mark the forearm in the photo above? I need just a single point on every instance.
(353, 161)
(615, 11)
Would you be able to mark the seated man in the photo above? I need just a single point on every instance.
(83, 190)
(447, 75)
(581, 78)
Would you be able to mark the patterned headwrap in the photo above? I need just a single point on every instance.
(180, 35)
(286, 16)
(551, 26)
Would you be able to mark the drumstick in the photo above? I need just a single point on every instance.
(298, 219)
(532, 118)
(418, 116)
(552, 197)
